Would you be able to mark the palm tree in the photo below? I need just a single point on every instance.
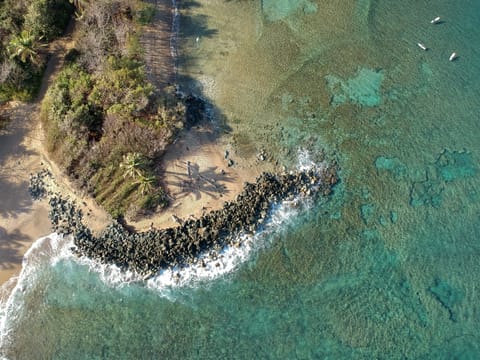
(134, 164)
(146, 183)
(24, 47)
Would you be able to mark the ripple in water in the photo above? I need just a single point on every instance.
(48, 251)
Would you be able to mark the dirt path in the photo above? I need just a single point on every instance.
(196, 174)
(23, 220)
(156, 41)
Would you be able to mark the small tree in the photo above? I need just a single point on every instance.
(134, 165)
(146, 183)
(47, 18)
(24, 47)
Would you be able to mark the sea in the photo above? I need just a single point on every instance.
(388, 267)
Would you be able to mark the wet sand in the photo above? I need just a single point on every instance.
(22, 219)
(196, 177)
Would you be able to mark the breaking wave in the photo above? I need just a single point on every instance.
(47, 251)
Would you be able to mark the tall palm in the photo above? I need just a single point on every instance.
(24, 47)
(134, 164)
(146, 183)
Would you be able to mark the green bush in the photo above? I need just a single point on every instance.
(24, 25)
(152, 201)
(122, 88)
(146, 14)
(47, 19)
(19, 81)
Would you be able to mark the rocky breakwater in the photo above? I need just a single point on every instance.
(148, 252)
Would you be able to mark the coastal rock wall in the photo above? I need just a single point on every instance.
(148, 252)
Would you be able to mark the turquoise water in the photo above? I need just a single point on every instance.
(388, 268)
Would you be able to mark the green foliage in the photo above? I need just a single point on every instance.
(134, 164)
(146, 183)
(153, 200)
(19, 81)
(24, 26)
(47, 18)
(146, 13)
(122, 88)
(102, 123)
(69, 119)
(134, 48)
(24, 48)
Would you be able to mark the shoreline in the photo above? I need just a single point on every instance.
(22, 219)
(208, 184)
(196, 175)
(146, 253)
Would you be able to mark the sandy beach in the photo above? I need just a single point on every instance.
(197, 179)
(22, 219)
(197, 174)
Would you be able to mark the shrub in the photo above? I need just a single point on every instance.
(19, 81)
(47, 18)
(146, 13)
(122, 87)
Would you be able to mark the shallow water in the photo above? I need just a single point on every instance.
(387, 269)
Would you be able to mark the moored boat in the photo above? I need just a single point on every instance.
(423, 47)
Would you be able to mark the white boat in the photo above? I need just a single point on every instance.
(453, 56)
(436, 20)
(421, 46)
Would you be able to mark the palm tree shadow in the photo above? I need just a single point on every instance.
(16, 199)
(209, 182)
(11, 248)
(13, 174)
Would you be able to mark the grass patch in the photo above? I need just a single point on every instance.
(146, 14)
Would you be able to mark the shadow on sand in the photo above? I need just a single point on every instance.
(11, 248)
(206, 123)
(13, 173)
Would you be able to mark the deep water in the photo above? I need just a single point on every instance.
(388, 268)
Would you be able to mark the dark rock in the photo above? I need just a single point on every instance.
(148, 252)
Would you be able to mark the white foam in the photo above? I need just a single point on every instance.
(305, 162)
(210, 265)
(223, 262)
(43, 252)
(47, 251)
(229, 258)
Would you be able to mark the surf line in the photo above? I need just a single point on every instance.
(146, 253)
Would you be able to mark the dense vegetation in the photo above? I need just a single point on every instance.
(105, 123)
(26, 27)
